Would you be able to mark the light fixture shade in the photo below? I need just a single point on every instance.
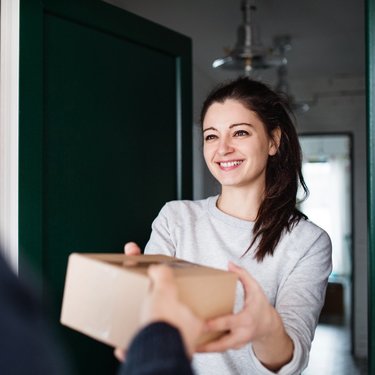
(248, 54)
(283, 44)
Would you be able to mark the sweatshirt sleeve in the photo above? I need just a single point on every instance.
(156, 350)
(301, 297)
(161, 241)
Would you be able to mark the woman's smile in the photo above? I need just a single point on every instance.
(229, 165)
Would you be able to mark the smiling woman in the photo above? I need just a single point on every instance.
(237, 147)
(252, 149)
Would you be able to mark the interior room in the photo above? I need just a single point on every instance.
(315, 53)
(328, 91)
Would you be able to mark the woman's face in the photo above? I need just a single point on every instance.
(236, 145)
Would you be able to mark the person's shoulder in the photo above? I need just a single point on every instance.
(308, 231)
(181, 207)
(305, 224)
(184, 212)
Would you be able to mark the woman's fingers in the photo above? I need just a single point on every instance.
(131, 248)
(232, 339)
(243, 275)
(249, 284)
(222, 323)
(221, 345)
(243, 327)
(225, 342)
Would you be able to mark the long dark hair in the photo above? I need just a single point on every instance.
(278, 211)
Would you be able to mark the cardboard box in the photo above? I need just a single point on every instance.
(104, 292)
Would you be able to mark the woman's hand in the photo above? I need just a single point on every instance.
(131, 248)
(258, 322)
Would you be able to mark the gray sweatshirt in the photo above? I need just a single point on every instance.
(294, 279)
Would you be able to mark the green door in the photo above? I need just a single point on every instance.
(105, 139)
(370, 39)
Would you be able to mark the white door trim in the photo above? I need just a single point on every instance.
(9, 83)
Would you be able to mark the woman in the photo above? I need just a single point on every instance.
(252, 149)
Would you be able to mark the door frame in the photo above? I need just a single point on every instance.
(350, 136)
(370, 102)
(9, 130)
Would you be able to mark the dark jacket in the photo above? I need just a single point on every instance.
(157, 350)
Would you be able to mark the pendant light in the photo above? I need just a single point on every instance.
(248, 54)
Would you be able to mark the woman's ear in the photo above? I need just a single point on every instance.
(274, 141)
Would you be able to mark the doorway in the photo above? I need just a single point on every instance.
(327, 169)
(328, 174)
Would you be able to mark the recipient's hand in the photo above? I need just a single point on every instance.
(131, 248)
(258, 322)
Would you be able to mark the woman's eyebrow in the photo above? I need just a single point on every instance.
(241, 123)
(230, 126)
(210, 128)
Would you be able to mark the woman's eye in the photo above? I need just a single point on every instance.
(241, 133)
(210, 137)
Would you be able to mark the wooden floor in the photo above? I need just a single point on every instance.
(330, 353)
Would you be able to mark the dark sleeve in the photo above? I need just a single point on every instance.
(156, 349)
(27, 345)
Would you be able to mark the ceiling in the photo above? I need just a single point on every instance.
(328, 36)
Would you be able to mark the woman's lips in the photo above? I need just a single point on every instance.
(228, 165)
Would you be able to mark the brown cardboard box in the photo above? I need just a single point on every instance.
(104, 292)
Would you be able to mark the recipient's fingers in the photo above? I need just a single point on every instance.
(120, 354)
(131, 248)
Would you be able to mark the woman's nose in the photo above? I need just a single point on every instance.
(225, 147)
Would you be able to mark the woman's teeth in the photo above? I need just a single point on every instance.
(228, 164)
